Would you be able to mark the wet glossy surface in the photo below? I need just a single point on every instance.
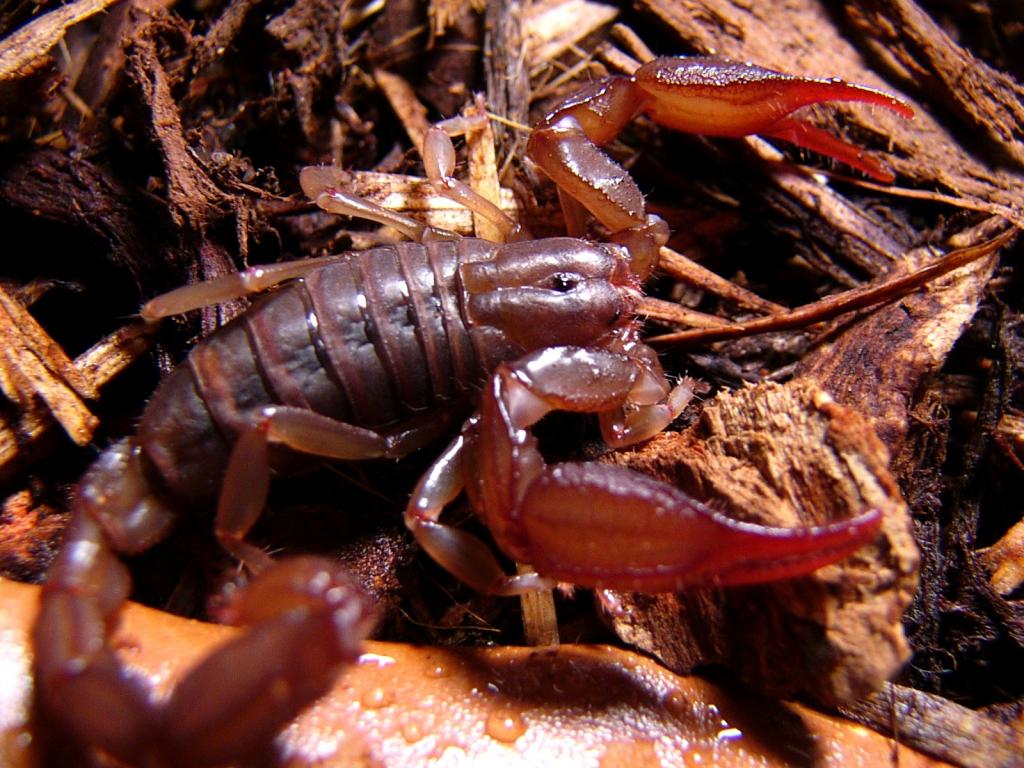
(405, 705)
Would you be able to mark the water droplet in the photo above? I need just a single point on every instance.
(505, 725)
(377, 659)
(677, 704)
(729, 734)
(412, 731)
(376, 698)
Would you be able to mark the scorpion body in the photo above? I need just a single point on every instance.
(374, 354)
(377, 339)
(390, 339)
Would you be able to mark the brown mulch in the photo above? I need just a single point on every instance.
(146, 144)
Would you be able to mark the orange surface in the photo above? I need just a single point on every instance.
(407, 706)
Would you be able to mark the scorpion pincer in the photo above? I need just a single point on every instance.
(375, 354)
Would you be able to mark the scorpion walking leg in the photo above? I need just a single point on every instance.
(226, 708)
(319, 185)
(227, 287)
(247, 478)
(540, 623)
(322, 185)
(439, 162)
(461, 554)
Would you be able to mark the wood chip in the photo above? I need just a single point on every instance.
(1005, 560)
(34, 368)
(909, 40)
(554, 26)
(97, 365)
(406, 105)
(30, 531)
(876, 366)
(446, 13)
(20, 52)
(483, 172)
(942, 727)
(784, 455)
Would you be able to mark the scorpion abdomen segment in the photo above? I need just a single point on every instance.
(375, 339)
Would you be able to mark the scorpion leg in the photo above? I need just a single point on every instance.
(227, 287)
(247, 477)
(226, 708)
(439, 162)
(461, 554)
(597, 525)
(321, 185)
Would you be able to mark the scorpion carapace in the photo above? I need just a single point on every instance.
(374, 354)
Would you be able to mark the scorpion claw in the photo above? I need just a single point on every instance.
(723, 98)
(597, 525)
(663, 540)
(700, 95)
(715, 97)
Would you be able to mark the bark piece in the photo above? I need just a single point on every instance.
(447, 13)
(942, 728)
(312, 32)
(89, 198)
(877, 366)
(784, 455)
(19, 438)
(31, 533)
(195, 200)
(20, 52)
(1005, 561)
(403, 705)
(910, 40)
(508, 82)
(407, 106)
(552, 27)
(34, 369)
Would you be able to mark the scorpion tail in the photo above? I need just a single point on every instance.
(119, 495)
(226, 708)
(80, 682)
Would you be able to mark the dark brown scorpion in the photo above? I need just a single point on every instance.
(371, 354)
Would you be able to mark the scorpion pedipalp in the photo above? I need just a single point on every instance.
(595, 525)
(700, 95)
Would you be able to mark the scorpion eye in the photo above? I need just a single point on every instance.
(563, 282)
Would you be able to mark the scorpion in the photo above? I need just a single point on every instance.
(374, 354)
